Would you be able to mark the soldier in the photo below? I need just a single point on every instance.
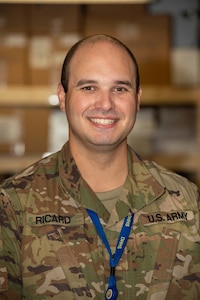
(94, 220)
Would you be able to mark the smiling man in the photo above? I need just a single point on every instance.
(94, 220)
(101, 103)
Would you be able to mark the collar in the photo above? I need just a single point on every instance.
(140, 189)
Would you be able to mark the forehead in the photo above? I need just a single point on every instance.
(101, 51)
(100, 48)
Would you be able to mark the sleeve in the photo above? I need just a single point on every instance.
(10, 277)
(198, 202)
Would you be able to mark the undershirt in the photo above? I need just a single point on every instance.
(110, 198)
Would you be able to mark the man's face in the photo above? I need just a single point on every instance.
(101, 102)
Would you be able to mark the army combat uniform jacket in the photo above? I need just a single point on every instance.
(49, 247)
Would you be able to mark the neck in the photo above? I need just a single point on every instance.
(102, 170)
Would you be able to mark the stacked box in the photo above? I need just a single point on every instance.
(13, 45)
(23, 130)
(50, 39)
(148, 36)
(176, 130)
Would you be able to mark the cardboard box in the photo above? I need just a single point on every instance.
(13, 44)
(148, 36)
(50, 39)
(36, 129)
(176, 132)
(24, 127)
(13, 63)
(51, 19)
(13, 18)
(185, 66)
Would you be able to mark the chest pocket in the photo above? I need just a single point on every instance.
(175, 272)
(57, 268)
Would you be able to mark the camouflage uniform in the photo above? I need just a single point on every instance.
(49, 248)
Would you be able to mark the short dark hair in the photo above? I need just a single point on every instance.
(93, 39)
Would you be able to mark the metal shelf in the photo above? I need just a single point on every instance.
(38, 96)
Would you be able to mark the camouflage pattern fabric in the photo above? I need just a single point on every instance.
(49, 248)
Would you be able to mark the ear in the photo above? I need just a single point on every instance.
(61, 97)
(139, 95)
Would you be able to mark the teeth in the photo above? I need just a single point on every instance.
(103, 121)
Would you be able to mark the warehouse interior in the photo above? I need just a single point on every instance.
(164, 35)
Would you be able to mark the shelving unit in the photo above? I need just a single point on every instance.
(37, 96)
(11, 164)
(29, 85)
(76, 1)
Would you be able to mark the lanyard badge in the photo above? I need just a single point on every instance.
(111, 292)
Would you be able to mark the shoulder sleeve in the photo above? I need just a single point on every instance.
(173, 181)
(10, 232)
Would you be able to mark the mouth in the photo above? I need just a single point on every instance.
(103, 121)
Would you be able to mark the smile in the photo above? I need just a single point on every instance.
(103, 121)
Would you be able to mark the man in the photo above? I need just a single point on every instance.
(95, 221)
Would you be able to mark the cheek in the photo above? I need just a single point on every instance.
(75, 109)
(129, 109)
(77, 104)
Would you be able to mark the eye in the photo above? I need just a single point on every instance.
(88, 88)
(120, 89)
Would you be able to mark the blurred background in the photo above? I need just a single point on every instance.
(164, 35)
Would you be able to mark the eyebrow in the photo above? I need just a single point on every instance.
(124, 82)
(85, 81)
(89, 81)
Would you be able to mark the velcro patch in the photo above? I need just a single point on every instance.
(51, 218)
(166, 217)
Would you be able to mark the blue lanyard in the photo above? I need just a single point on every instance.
(111, 293)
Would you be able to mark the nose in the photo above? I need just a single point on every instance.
(105, 100)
